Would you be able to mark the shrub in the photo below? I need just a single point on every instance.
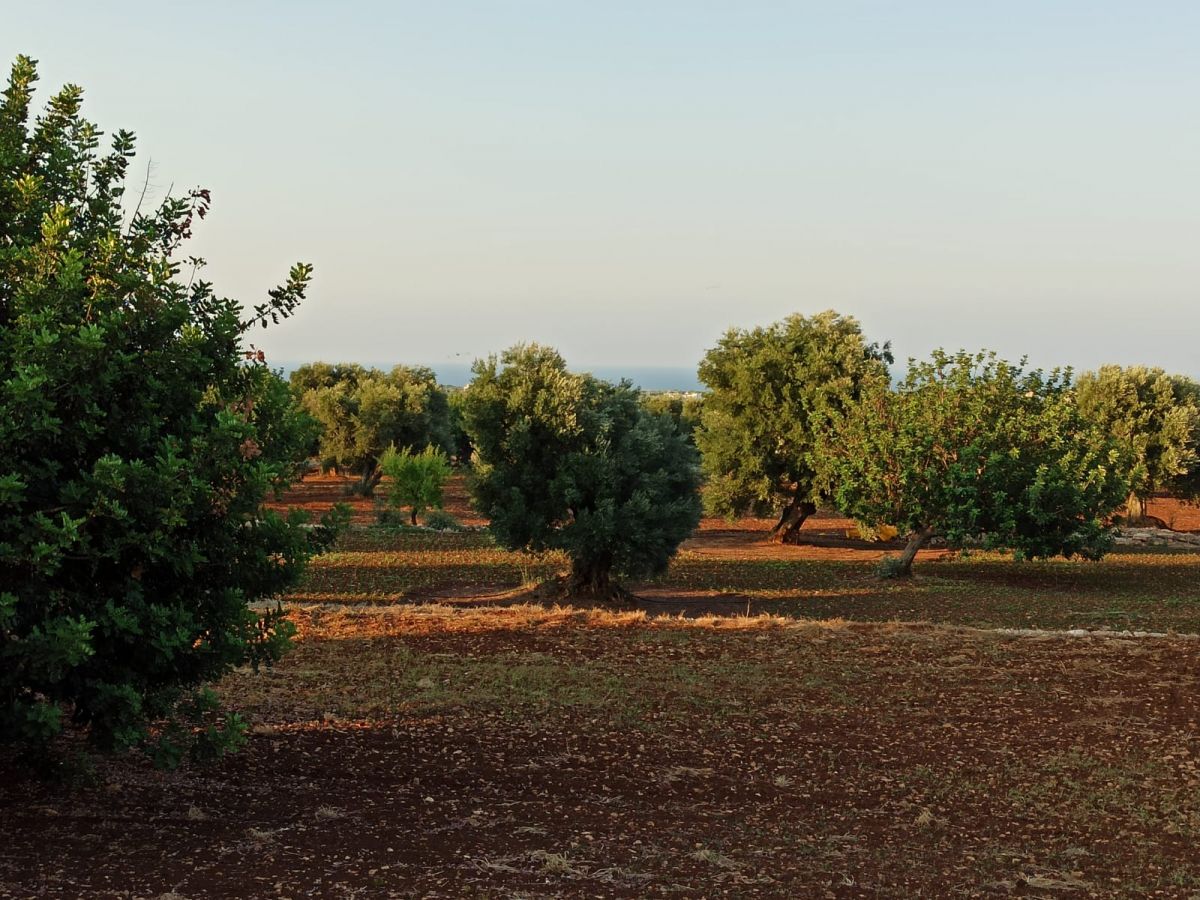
(440, 520)
(416, 479)
(139, 444)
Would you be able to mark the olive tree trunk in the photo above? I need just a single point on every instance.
(592, 578)
(790, 520)
(371, 476)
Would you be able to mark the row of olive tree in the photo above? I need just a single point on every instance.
(362, 412)
(967, 447)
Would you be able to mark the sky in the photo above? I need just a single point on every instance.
(627, 180)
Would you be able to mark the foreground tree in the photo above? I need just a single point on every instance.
(138, 445)
(567, 462)
(971, 448)
(772, 391)
(1156, 419)
(362, 412)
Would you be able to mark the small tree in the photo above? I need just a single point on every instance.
(567, 462)
(972, 448)
(771, 393)
(1156, 419)
(140, 437)
(362, 412)
(417, 479)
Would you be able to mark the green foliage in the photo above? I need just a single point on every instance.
(683, 408)
(441, 520)
(140, 437)
(568, 462)
(416, 479)
(1156, 419)
(972, 448)
(362, 412)
(891, 567)
(772, 391)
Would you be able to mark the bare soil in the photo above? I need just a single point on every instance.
(767, 721)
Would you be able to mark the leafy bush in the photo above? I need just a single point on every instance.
(892, 567)
(139, 444)
(441, 520)
(569, 462)
(416, 479)
(683, 408)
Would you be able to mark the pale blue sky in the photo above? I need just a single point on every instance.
(626, 180)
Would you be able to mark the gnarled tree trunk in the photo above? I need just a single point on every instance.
(790, 520)
(916, 541)
(371, 476)
(591, 579)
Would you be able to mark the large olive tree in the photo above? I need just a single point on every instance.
(771, 392)
(571, 463)
(1156, 418)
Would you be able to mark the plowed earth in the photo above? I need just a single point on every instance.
(439, 731)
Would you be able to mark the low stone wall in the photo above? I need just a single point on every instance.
(1157, 537)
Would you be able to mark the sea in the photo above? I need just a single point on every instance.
(648, 378)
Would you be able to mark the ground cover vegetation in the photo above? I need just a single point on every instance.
(141, 435)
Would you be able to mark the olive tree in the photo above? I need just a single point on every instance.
(140, 436)
(971, 448)
(362, 412)
(1156, 418)
(568, 462)
(771, 392)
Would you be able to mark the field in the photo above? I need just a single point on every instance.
(767, 721)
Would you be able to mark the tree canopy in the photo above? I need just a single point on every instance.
(568, 462)
(363, 411)
(970, 447)
(1156, 419)
(772, 391)
(140, 435)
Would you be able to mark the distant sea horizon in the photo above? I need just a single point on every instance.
(648, 378)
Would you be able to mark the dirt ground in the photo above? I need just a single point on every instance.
(767, 722)
(522, 752)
